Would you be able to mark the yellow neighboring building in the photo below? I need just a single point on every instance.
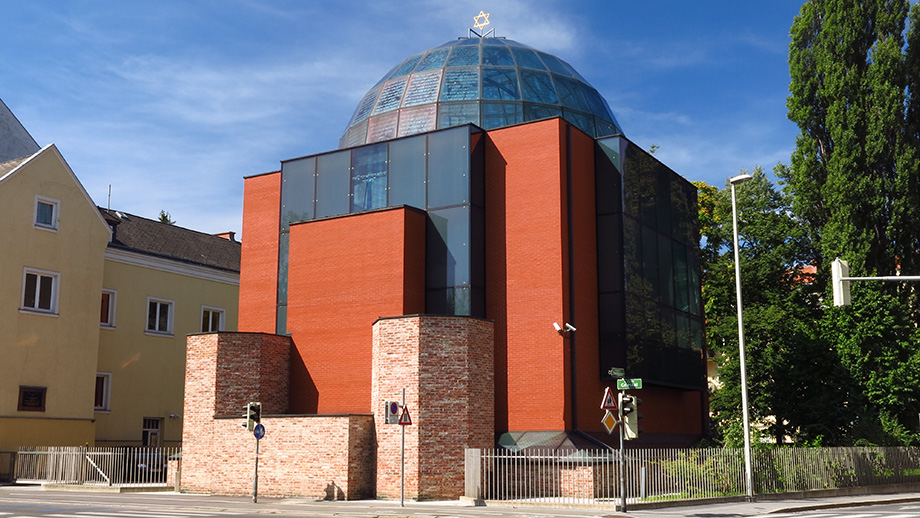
(51, 272)
(74, 371)
(161, 283)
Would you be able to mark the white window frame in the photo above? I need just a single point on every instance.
(169, 318)
(106, 392)
(220, 324)
(113, 295)
(55, 288)
(55, 213)
(151, 435)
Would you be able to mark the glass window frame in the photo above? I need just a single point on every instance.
(170, 316)
(102, 402)
(108, 323)
(210, 312)
(55, 213)
(53, 296)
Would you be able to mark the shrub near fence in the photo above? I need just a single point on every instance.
(592, 476)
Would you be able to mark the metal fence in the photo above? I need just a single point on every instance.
(117, 466)
(593, 476)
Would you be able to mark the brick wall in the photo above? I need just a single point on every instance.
(446, 366)
(259, 254)
(312, 456)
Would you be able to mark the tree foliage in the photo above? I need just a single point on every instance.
(852, 190)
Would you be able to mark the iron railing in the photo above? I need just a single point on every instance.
(114, 466)
(593, 476)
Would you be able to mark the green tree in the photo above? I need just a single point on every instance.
(166, 218)
(794, 377)
(855, 82)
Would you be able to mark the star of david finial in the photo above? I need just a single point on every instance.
(481, 20)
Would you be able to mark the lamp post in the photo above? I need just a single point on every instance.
(748, 474)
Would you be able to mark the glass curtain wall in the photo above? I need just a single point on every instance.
(440, 172)
(648, 262)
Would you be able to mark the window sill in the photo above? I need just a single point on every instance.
(39, 226)
(38, 312)
(157, 333)
(102, 410)
(106, 326)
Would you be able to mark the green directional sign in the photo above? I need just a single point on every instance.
(629, 383)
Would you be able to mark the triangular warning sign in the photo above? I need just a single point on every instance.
(404, 418)
(609, 402)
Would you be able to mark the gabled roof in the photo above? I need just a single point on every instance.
(153, 238)
(15, 141)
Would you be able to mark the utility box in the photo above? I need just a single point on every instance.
(392, 411)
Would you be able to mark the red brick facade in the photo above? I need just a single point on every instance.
(445, 363)
(445, 366)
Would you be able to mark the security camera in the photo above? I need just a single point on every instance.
(569, 328)
(557, 328)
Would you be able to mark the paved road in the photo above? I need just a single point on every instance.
(22, 502)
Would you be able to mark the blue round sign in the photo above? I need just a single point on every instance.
(259, 431)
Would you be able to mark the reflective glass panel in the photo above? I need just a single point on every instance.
(665, 270)
(496, 56)
(500, 84)
(595, 101)
(460, 84)
(570, 93)
(391, 95)
(332, 184)
(582, 121)
(297, 191)
(527, 58)
(369, 177)
(534, 112)
(681, 277)
(498, 114)
(604, 128)
(407, 65)
(357, 135)
(449, 248)
(283, 246)
(464, 56)
(434, 59)
(554, 64)
(407, 172)
(538, 87)
(448, 167)
(364, 109)
(455, 114)
(418, 119)
(423, 88)
(382, 127)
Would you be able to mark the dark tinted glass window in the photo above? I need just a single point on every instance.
(369, 177)
(297, 190)
(448, 167)
(332, 184)
(407, 172)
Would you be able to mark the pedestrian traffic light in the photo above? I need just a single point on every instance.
(840, 270)
(629, 415)
(253, 415)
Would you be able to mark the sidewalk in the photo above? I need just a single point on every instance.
(773, 505)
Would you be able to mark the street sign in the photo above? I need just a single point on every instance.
(259, 431)
(617, 372)
(608, 403)
(404, 419)
(629, 383)
(610, 422)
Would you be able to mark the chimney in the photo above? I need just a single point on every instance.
(227, 235)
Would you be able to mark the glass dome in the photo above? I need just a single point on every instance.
(490, 82)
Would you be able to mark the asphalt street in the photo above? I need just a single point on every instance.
(33, 501)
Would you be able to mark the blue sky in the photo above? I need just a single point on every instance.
(174, 102)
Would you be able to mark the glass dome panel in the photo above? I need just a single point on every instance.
(434, 59)
(455, 114)
(423, 88)
(407, 66)
(490, 82)
(554, 65)
(463, 56)
(538, 87)
(499, 115)
(391, 95)
(500, 83)
(497, 56)
(527, 58)
(460, 84)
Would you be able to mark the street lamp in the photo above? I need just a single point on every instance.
(748, 475)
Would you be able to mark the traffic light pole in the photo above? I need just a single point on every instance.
(255, 476)
(622, 457)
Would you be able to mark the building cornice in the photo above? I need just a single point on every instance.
(171, 266)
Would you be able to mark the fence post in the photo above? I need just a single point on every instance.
(473, 473)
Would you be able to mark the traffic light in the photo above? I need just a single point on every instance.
(253, 415)
(629, 415)
(839, 270)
